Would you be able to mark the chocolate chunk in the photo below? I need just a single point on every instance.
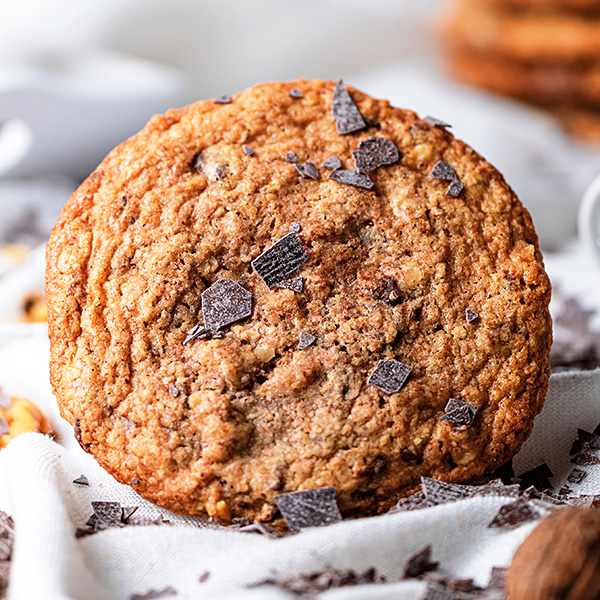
(345, 113)
(81, 480)
(222, 99)
(153, 594)
(373, 153)
(459, 413)
(4, 399)
(440, 492)
(295, 93)
(352, 178)
(539, 477)
(443, 170)
(576, 475)
(471, 315)
(296, 284)
(249, 150)
(436, 122)
(308, 170)
(279, 261)
(309, 508)
(585, 458)
(497, 578)
(389, 376)
(173, 390)
(223, 303)
(591, 440)
(291, 157)
(333, 163)
(497, 488)
(128, 512)
(455, 188)
(388, 290)
(204, 577)
(417, 501)
(106, 514)
(4, 428)
(419, 563)
(295, 227)
(514, 514)
(306, 339)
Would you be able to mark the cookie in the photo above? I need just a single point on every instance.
(177, 346)
(552, 37)
(583, 123)
(539, 83)
(592, 6)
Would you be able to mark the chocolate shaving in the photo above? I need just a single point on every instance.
(291, 157)
(471, 315)
(306, 339)
(389, 376)
(81, 480)
(222, 99)
(279, 261)
(419, 563)
(354, 178)
(345, 113)
(333, 163)
(576, 475)
(223, 303)
(459, 413)
(307, 170)
(296, 284)
(248, 151)
(441, 492)
(455, 188)
(436, 122)
(153, 594)
(309, 508)
(514, 514)
(373, 153)
(295, 93)
(4, 428)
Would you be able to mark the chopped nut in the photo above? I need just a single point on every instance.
(264, 354)
(22, 416)
(223, 511)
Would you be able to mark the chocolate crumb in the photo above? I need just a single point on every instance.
(459, 413)
(576, 475)
(81, 480)
(279, 261)
(436, 122)
(222, 99)
(420, 563)
(352, 178)
(296, 284)
(291, 157)
(153, 594)
(471, 315)
(295, 93)
(306, 339)
(345, 112)
(248, 151)
(514, 514)
(373, 153)
(204, 577)
(389, 376)
(333, 163)
(309, 508)
(173, 390)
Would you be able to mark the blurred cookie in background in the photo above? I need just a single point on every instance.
(545, 52)
(19, 415)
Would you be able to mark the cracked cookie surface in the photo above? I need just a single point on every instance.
(220, 426)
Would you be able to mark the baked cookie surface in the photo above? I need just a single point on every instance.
(436, 267)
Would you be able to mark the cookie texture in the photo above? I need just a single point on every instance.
(224, 423)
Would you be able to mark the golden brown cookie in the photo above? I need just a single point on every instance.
(586, 6)
(19, 415)
(230, 320)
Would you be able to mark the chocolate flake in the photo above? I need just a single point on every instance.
(296, 284)
(4, 428)
(279, 261)
(420, 563)
(389, 376)
(291, 157)
(497, 578)
(295, 93)
(345, 112)
(128, 512)
(585, 458)
(81, 480)
(459, 413)
(455, 188)
(471, 315)
(309, 508)
(261, 529)
(106, 514)
(222, 99)
(153, 594)
(295, 227)
(223, 303)
(514, 514)
(436, 122)
(576, 475)
(173, 390)
(539, 477)
(497, 488)
(307, 170)
(441, 492)
(354, 178)
(306, 339)
(248, 151)
(375, 152)
(435, 591)
(333, 163)
(443, 170)
(417, 501)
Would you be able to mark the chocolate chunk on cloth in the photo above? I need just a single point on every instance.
(389, 376)
(280, 261)
(459, 413)
(539, 477)
(354, 178)
(576, 475)
(420, 563)
(309, 508)
(155, 594)
(440, 492)
(346, 114)
(514, 514)
(375, 152)
(81, 480)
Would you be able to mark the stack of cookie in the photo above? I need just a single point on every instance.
(546, 52)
